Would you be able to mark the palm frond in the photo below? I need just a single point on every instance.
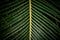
(29, 20)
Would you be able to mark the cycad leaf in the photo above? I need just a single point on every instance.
(43, 27)
(16, 21)
(29, 20)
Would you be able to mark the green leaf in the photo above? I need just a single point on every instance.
(29, 20)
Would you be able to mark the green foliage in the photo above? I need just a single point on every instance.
(14, 20)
